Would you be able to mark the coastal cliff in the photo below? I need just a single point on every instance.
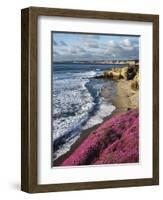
(127, 86)
(127, 73)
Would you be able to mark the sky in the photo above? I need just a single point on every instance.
(90, 47)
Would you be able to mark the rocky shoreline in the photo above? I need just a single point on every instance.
(116, 140)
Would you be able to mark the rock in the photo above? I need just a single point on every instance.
(135, 83)
(116, 75)
(127, 73)
(131, 72)
(108, 74)
(136, 78)
(124, 73)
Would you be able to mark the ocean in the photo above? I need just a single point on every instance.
(77, 103)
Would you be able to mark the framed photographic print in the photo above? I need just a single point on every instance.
(90, 99)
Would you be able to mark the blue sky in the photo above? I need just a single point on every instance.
(78, 46)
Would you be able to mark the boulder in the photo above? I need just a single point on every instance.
(135, 82)
(124, 72)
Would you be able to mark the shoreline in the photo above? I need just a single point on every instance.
(124, 100)
(84, 134)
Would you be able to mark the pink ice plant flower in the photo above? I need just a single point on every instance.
(114, 141)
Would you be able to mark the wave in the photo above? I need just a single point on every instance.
(77, 105)
(72, 103)
(104, 111)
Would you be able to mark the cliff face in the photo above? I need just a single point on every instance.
(127, 72)
(115, 141)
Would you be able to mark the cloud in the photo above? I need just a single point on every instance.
(91, 44)
(73, 51)
(55, 43)
(89, 37)
(113, 48)
(112, 44)
(126, 44)
(123, 49)
(55, 53)
(95, 47)
(78, 49)
(62, 43)
(90, 41)
(96, 36)
(82, 50)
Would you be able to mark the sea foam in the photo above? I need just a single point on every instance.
(72, 103)
(77, 105)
